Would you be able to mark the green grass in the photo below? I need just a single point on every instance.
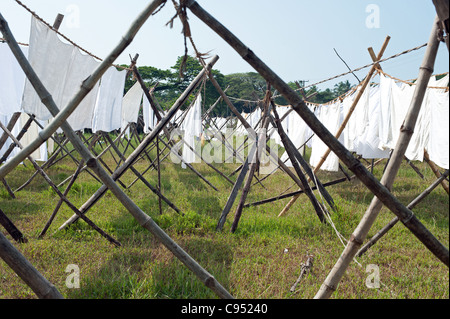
(262, 259)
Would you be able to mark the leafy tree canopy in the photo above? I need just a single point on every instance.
(241, 87)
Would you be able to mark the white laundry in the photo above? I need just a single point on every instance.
(438, 143)
(108, 108)
(297, 134)
(31, 134)
(12, 81)
(192, 132)
(131, 104)
(309, 132)
(62, 68)
(5, 120)
(368, 143)
(358, 122)
(148, 116)
(385, 127)
(330, 117)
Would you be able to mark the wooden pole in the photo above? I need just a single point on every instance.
(360, 233)
(15, 233)
(260, 137)
(395, 220)
(86, 86)
(60, 120)
(364, 85)
(57, 191)
(25, 270)
(372, 183)
(236, 187)
(273, 199)
(435, 170)
(290, 149)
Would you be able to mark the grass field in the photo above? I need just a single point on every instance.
(262, 259)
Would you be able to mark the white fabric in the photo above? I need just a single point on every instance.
(438, 143)
(192, 131)
(148, 116)
(108, 108)
(330, 116)
(385, 127)
(61, 67)
(12, 81)
(368, 143)
(31, 134)
(15, 131)
(297, 133)
(131, 104)
(358, 122)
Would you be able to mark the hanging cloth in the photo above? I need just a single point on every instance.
(438, 143)
(192, 132)
(368, 144)
(297, 134)
(131, 104)
(108, 108)
(148, 116)
(62, 68)
(330, 116)
(12, 81)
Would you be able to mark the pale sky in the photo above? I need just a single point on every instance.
(294, 37)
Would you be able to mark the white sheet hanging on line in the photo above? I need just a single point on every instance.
(438, 143)
(108, 108)
(31, 134)
(16, 129)
(297, 134)
(385, 127)
(62, 68)
(330, 116)
(192, 132)
(359, 120)
(419, 139)
(131, 104)
(368, 143)
(148, 116)
(12, 81)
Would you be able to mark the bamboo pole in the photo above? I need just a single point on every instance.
(283, 196)
(290, 149)
(85, 87)
(252, 132)
(236, 187)
(58, 192)
(142, 146)
(378, 189)
(365, 83)
(360, 233)
(60, 120)
(435, 170)
(254, 164)
(154, 106)
(15, 233)
(25, 270)
(395, 220)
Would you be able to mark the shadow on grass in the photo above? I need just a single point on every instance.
(154, 273)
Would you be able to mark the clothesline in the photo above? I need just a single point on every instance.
(62, 35)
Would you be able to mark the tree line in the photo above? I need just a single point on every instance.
(169, 84)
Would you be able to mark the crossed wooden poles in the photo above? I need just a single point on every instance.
(43, 288)
(379, 188)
